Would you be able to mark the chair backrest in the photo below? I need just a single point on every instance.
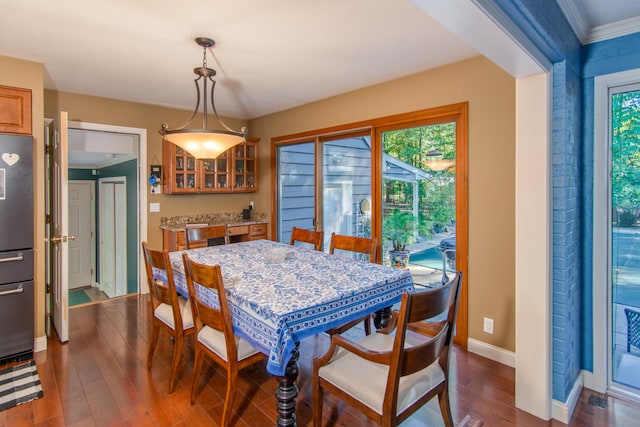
(198, 237)
(307, 236)
(161, 291)
(363, 245)
(435, 337)
(633, 328)
(219, 317)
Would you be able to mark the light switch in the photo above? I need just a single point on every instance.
(154, 207)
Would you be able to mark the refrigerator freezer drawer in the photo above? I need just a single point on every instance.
(16, 321)
(16, 266)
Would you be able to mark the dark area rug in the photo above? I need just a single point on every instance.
(19, 384)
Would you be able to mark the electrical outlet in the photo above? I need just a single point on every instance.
(488, 325)
(250, 205)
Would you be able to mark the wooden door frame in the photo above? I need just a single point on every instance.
(458, 113)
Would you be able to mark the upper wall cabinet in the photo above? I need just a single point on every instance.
(234, 171)
(15, 110)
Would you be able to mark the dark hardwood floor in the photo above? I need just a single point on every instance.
(100, 379)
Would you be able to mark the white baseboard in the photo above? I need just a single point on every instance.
(40, 344)
(562, 411)
(492, 352)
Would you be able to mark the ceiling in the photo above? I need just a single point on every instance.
(270, 55)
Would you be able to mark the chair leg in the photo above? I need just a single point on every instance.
(155, 332)
(197, 367)
(318, 396)
(232, 381)
(445, 407)
(367, 326)
(175, 359)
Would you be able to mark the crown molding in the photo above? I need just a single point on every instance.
(613, 30)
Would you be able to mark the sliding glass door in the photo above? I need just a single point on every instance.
(625, 238)
(358, 180)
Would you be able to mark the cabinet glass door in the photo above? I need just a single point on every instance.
(185, 170)
(245, 166)
(215, 173)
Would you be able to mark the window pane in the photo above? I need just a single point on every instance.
(296, 188)
(346, 187)
(418, 200)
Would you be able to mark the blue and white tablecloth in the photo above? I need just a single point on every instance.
(274, 305)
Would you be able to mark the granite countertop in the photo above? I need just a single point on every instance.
(178, 223)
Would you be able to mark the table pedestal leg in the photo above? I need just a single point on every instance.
(382, 318)
(287, 392)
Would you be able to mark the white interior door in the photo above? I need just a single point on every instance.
(81, 226)
(60, 237)
(107, 238)
(120, 237)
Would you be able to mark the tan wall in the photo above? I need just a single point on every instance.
(29, 75)
(84, 108)
(491, 96)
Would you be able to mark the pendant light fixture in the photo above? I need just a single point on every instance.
(435, 161)
(204, 143)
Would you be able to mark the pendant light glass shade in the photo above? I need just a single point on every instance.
(204, 143)
(438, 164)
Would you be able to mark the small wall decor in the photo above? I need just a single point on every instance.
(155, 179)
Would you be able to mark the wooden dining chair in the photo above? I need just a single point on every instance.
(198, 237)
(214, 332)
(169, 312)
(303, 235)
(389, 376)
(357, 245)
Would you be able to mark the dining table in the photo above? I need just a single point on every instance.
(280, 294)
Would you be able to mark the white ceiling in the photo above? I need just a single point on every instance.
(270, 55)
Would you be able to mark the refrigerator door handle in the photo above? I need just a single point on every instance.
(19, 290)
(12, 259)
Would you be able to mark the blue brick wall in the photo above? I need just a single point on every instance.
(567, 199)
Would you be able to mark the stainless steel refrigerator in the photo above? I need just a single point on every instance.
(16, 247)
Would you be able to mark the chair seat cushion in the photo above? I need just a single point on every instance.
(165, 314)
(213, 339)
(366, 381)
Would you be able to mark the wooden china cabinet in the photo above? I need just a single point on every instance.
(234, 171)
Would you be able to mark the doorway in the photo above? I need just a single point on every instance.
(137, 192)
(616, 251)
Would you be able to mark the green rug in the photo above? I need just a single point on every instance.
(79, 296)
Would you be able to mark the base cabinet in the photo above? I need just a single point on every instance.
(174, 240)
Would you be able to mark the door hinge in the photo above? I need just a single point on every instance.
(48, 288)
(47, 149)
(47, 219)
